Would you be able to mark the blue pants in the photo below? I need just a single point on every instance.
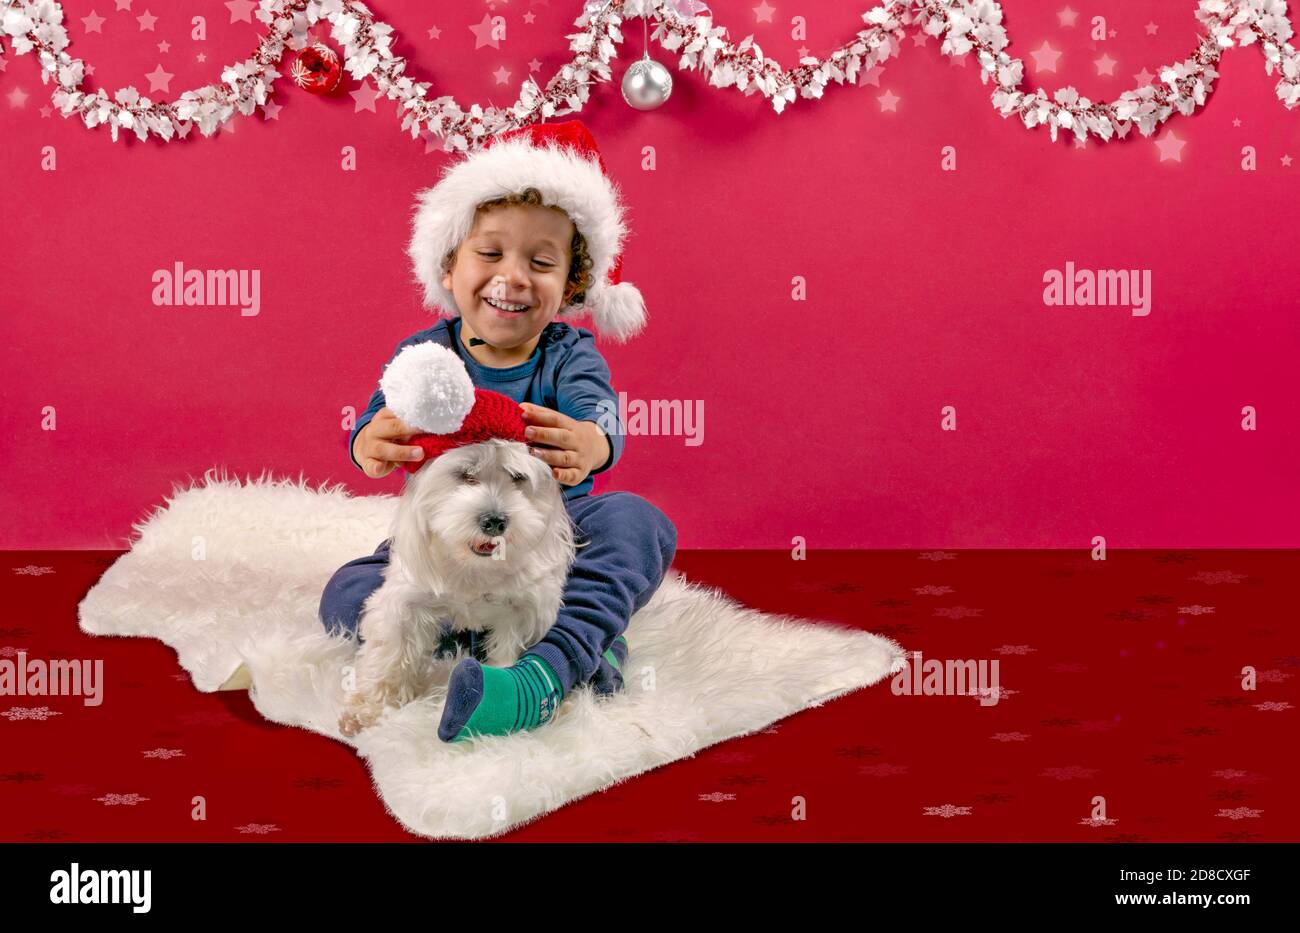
(632, 545)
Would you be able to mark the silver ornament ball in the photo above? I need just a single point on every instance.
(647, 84)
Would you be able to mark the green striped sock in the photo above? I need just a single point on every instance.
(483, 700)
(612, 658)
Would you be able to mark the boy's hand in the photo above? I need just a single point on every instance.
(577, 447)
(378, 446)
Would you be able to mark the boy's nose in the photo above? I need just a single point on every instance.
(516, 271)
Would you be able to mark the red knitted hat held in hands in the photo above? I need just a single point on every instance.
(427, 387)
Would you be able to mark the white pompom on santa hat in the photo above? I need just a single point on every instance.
(562, 161)
(427, 388)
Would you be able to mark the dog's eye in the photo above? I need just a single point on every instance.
(468, 478)
(518, 477)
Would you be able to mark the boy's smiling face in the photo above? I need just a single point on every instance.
(515, 255)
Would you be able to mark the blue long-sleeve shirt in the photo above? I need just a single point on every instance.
(566, 372)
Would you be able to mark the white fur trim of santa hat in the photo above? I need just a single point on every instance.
(445, 214)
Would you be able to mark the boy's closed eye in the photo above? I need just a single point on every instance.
(492, 254)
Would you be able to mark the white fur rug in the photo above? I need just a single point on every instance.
(226, 573)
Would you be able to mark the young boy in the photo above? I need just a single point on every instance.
(512, 236)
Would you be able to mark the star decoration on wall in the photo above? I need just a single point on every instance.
(888, 101)
(763, 12)
(93, 22)
(1067, 17)
(1045, 57)
(241, 11)
(483, 34)
(1171, 147)
(159, 80)
(365, 96)
(146, 21)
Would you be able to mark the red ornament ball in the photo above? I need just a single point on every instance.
(317, 69)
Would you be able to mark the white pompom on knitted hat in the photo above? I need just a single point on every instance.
(560, 160)
(427, 387)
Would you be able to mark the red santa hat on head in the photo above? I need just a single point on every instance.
(560, 160)
(427, 387)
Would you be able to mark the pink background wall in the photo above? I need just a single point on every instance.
(821, 417)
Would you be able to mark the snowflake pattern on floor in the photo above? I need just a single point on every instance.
(33, 713)
(947, 811)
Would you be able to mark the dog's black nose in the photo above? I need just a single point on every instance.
(492, 523)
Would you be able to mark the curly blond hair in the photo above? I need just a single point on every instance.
(580, 262)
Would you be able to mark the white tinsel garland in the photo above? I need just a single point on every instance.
(965, 26)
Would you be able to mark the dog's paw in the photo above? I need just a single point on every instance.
(356, 720)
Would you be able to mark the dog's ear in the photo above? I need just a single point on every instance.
(411, 529)
(556, 547)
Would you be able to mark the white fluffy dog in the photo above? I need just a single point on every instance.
(482, 541)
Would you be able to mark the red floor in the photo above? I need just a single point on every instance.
(1115, 684)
